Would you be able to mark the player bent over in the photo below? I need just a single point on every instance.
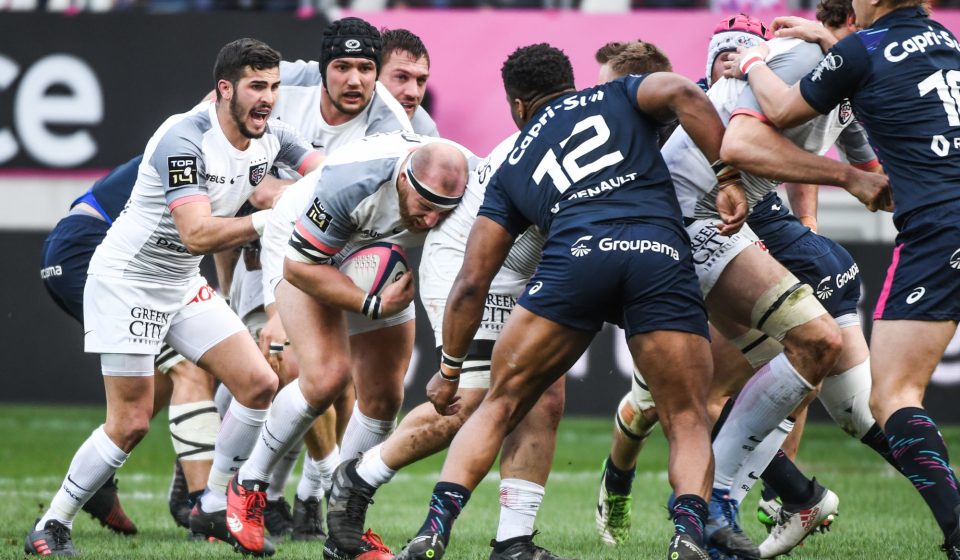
(387, 187)
(528, 451)
(617, 253)
(144, 285)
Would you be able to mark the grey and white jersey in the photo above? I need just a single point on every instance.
(299, 105)
(790, 59)
(188, 159)
(423, 123)
(444, 248)
(355, 199)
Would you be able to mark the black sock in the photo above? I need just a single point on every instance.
(689, 516)
(194, 497)
(785, 479)
(618, 481)
(446, 504)
(875, 439)
(768, 493)
(722, 419)
(500, 546)
(919, 449)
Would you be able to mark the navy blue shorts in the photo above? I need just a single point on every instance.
(637, 275)
(65, 257)
(823, 264)
(923, 281)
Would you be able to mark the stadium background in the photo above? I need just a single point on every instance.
(80, 94)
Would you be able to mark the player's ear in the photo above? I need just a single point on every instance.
(225, 87)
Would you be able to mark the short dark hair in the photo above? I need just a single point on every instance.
(834, 13)
(536, 70)
(237, 55)
(640, 57)
(610, 50)
(403, 40)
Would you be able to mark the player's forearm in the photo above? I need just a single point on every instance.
(211, 234)
(776, 98)
(325, 283)
(462, 316)
(803, 201)
(225, 262)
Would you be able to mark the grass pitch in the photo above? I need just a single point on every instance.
(881, 516)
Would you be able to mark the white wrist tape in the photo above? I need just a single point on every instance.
(259, 219)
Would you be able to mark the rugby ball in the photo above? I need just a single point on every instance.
(374, 267)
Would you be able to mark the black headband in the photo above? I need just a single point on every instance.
(430, 195)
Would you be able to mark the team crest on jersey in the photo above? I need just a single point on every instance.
(830, 62)
(319, 216)
(257, 173)
(183, 171)
(846, 111)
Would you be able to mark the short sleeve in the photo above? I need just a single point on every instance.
(837, 76)
(498, 207)
(790, 66)
(294, 149)
(179, 163)
(854, 145)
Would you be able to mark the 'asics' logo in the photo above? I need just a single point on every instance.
(915, 295)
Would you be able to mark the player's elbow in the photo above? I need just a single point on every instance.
(195, 242)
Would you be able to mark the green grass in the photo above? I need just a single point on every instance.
(881, 515)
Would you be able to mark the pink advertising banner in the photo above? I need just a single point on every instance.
(467, 48)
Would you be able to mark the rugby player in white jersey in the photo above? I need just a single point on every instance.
(746, 289)
(144, 287)
(365, 192)
(528, 451)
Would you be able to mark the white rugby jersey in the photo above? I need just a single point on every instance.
(299, 105)
(355, 200)
(791, 59)
(445, 245)
(187, 159)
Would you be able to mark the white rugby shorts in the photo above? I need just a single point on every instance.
(124, 316)
(713, 251)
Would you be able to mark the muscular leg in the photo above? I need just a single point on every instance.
(193, 386)
(903, 355)
(379, 361)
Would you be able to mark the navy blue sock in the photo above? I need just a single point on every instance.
(875, 439)
(917, 446)
(689, 516)
(446, 504)
(618, 481)
(787, 480)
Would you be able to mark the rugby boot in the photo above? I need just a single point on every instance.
(350, 497)
(179, 497)
(423, 547)
(683, 547)
(207, 525)
(307, 522)
(371, 548)
(521, 548)
(952, 543)
(277, 518)
(613, 514)
(105, 507)
(723, 528)
(53, 540)
(245, 504)
(795, 524)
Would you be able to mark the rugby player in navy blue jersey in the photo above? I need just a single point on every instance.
(901, 73)
(585, 170)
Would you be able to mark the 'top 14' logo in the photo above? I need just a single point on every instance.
(42, 110)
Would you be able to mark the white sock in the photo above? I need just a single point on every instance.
(519, 503)
(317, 477)
(238, 434)
(290, 418)
(281, 472)
(222, 400)
(93, 464)
(757, 460)
(373, 470)
(364, 432)
(846, 397)
(769, 397)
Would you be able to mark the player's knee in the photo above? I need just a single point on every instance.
(549, 408)
(820, 339)
(633, 421)
(322, 382)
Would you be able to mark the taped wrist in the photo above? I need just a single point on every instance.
(371, 306)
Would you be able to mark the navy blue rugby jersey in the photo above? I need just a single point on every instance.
(590, 156)
(109, 194)
(903, 77)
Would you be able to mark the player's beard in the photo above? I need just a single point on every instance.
(240, 119)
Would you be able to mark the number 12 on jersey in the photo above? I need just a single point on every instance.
(564, 174)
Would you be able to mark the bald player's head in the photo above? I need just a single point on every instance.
(431, 185)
